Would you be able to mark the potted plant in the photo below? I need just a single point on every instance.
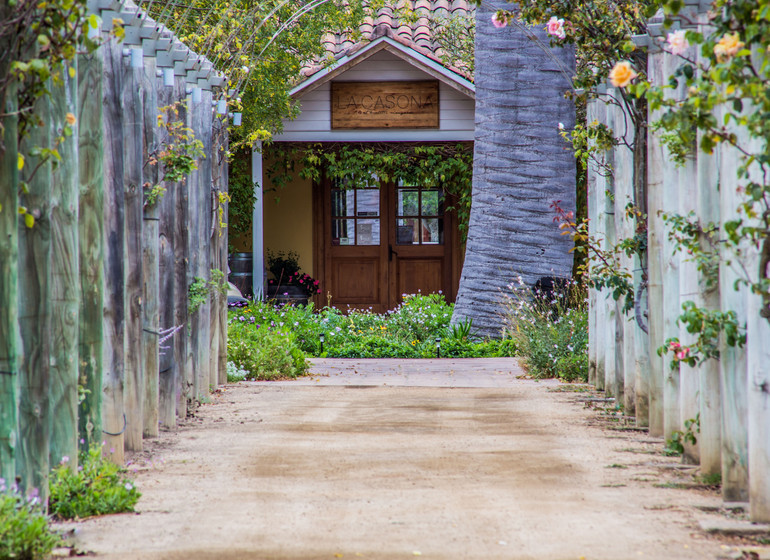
(289, 284)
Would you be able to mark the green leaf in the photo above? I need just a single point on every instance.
(29, 220)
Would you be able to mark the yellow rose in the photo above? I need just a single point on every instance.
(71, 120)
(727, 46)
(622, 74)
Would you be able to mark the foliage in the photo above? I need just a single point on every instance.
(198, 292)
(282, 264)
(418, 328)
(456, 35)
(551, 333)
(265, 349)
(605, 270)
(179, 152)
(261, 47)
(24, 530)
(709, 326)
(243, 192)
(97, 487)
(675, 443)
(699, 241)
(235, 374)
(448, 166)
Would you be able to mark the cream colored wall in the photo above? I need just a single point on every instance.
(288, 220)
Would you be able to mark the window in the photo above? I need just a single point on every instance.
(355, 216)
(419, 216)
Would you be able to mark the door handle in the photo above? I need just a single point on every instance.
(391, 252)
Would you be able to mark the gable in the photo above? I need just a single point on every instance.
(456, 105)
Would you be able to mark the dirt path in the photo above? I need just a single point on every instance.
(378, 465)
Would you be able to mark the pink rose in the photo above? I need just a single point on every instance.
(555, 27)
(677, 42)
(499, 19)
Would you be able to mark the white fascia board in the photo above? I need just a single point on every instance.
(378, 135)
(409, 55)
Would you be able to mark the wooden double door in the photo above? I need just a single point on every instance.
(375, 244)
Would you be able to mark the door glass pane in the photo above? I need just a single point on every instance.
(368, 202)
(407, 203)
(342, 203)
(407, 231)
(367, 232)
(432, 231)
(343, 232)
(432, 203)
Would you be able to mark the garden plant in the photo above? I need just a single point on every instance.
(267, 341)
(24, 530)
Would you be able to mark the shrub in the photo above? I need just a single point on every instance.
(97, 487)
(24, 530)
(408, 331)
(552, 336)
(265, 351)
(235, 374)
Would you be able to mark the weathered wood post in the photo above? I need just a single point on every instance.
(185, 384)
(35, 310)
(592, 114)
(150, 248)
(600, 204)
(9, 256)
(669, 260)
(655, 237)
(707, 202)
(733, 370)
(689, 377)
(113, 416)
(221, 154)
(90, 242)
(133, 163)
(168, 366)
(625, 226)
(757, 360)
(65, 274)
(607, 207)
(199, 188)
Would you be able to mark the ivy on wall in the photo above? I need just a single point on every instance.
(446, 165)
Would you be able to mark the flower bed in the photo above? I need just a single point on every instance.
(270, 341)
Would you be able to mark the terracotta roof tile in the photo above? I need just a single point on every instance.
(415, 34)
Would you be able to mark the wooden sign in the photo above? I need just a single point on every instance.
(385, 105)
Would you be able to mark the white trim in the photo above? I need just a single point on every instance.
(257, 225)
(377, 135)
(409, 55)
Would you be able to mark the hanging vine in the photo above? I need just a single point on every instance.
(449, 166)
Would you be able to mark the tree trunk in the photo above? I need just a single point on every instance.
(521, 166)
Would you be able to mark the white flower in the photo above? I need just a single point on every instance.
(677, 42)
(129, 486)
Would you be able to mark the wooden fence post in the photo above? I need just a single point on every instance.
(133, 140)
(221, 174)
(655, 235)
(732, 360)
(757, 360)
(90, 242)
(150, 248)
(35, 311)
(9, 255)
(185, 384)
(625, 226)
(669, 259)
(602, 294)
(113, 416)
(607, 207)
(592, 114)
(168, 367)
(65, 276)
(689, 377)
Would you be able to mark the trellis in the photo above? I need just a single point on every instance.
(94, 296)
(729, 396)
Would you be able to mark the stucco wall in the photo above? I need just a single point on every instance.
(288, 215)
